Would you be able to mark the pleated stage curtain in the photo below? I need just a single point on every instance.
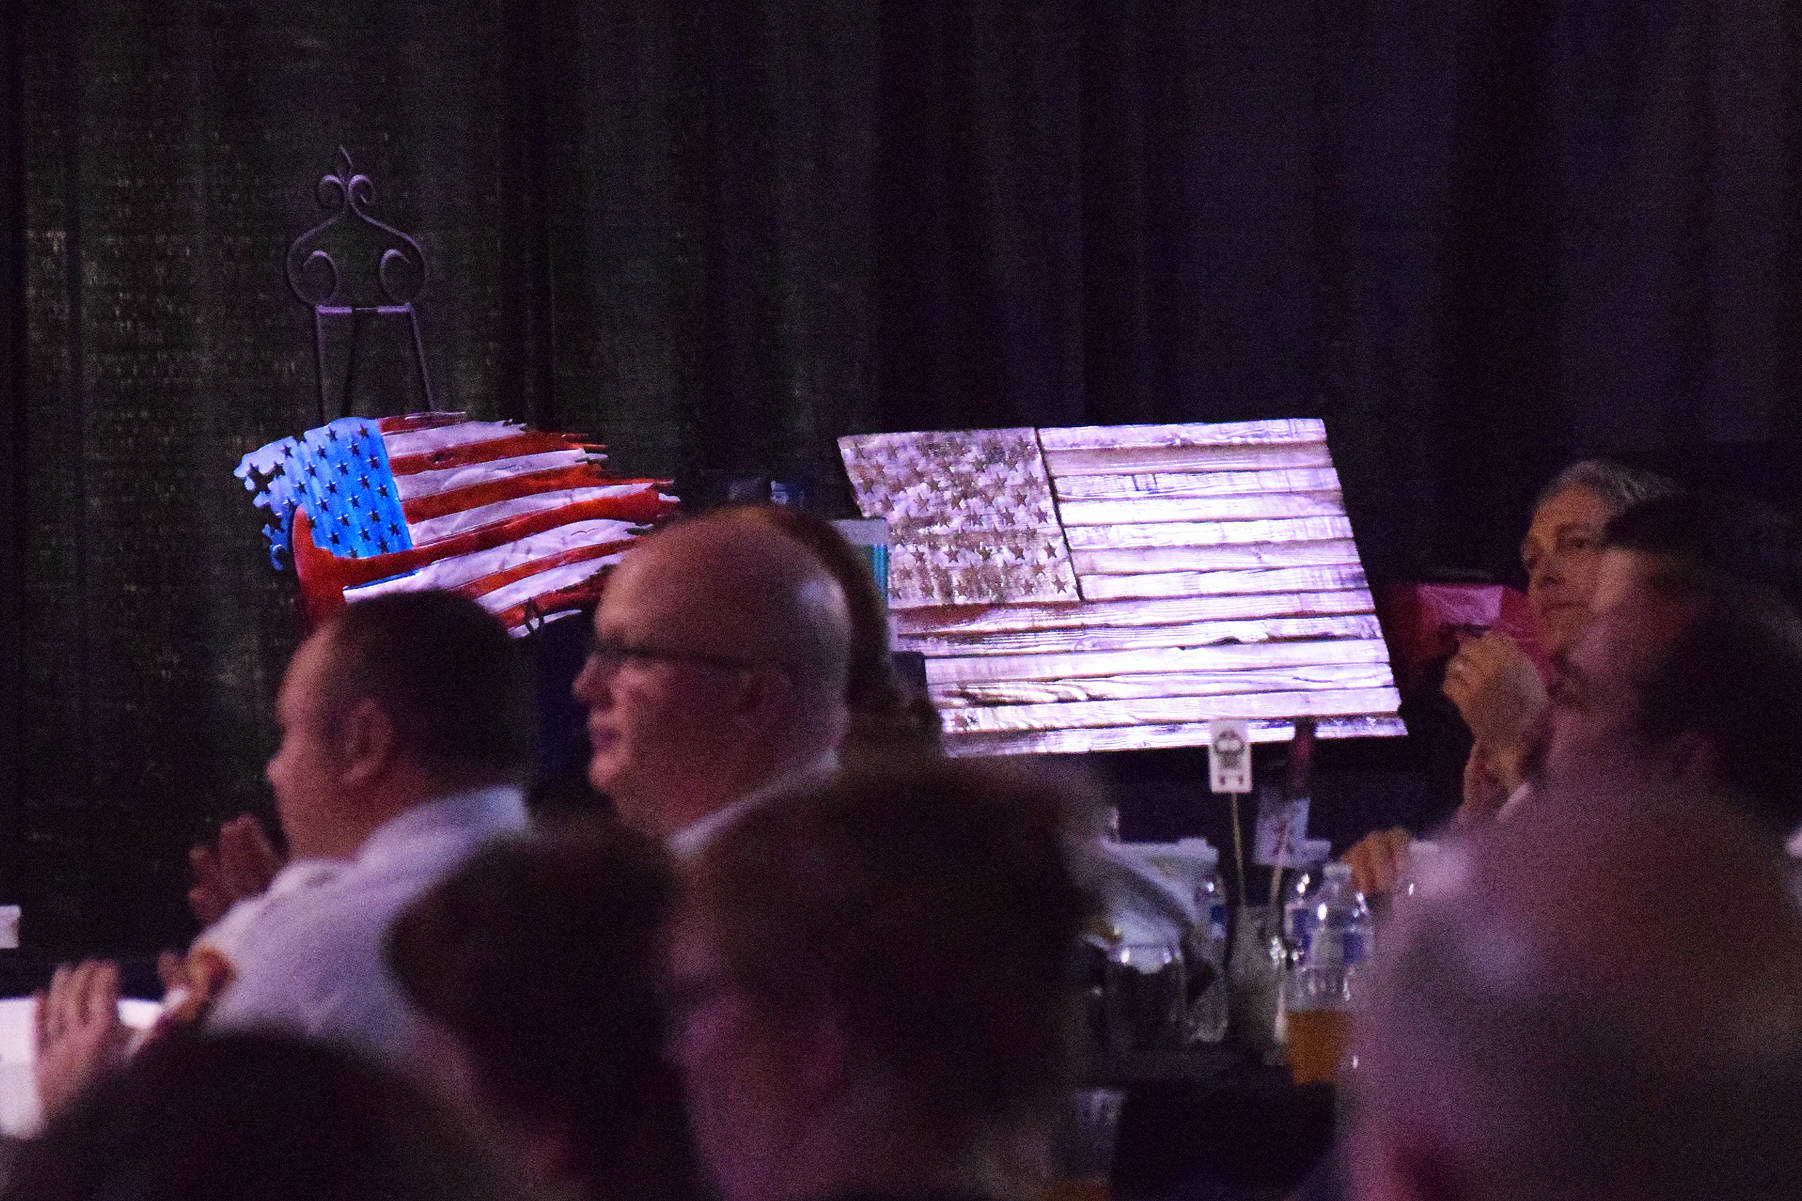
(1477, 240)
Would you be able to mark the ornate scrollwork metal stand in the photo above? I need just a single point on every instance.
(353, 266)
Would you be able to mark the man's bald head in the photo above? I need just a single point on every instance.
(720, 665)
(1601, 999)
(734, 585)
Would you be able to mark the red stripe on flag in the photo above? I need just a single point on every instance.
(483, 585)
(324, 576)
(556, 479)
(573, 597)
(470, 453)
(420, 421)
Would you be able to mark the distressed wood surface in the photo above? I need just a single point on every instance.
(1180, 485)
(999, 619)
(972, 668)
(965, 566)
(1199, 583)
(1073, 714)
(1131, 459)
(1219, 433)
(1142, 560)
(1141, 686)
(1149, 509)
(1207, 533)
(1143, 738)
(1079, 640)
(971, 516)
(1216, 570)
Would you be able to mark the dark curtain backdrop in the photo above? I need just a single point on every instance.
(1479, 239)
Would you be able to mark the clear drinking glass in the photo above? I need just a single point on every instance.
(1145, 997)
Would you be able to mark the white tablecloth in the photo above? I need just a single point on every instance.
(18, 1094)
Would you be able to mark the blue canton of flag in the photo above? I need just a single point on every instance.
(339, 474)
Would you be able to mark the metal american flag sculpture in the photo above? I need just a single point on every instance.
(522, 521)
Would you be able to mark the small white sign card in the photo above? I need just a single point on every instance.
(1282, 828)
(1229, 755)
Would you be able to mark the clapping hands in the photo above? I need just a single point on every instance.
(239, 863)
(79, 1035)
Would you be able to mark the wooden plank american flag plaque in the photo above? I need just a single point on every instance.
(1117, 587)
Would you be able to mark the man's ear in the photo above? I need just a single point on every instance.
(368, 743)
(765, 696)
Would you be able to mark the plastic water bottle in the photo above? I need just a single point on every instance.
(1319, 989)
(1205, 951)
(1419, 865)
(1298, 897)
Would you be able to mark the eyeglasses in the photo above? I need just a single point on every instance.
(611, 654)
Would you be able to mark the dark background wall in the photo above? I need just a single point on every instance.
(1479, 239)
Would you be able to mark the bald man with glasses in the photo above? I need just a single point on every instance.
(717, 675)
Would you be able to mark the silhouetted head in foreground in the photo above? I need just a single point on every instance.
(1600, 999)
(254, 1118)
(1690, 675)
(537, 966)
(869, 986)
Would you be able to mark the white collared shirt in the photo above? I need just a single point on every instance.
(310, 957)
(688, 841)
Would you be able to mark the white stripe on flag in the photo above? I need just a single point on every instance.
(464, 433)
(436, 529)
(461, 569)
(430, 483)
(545, 581)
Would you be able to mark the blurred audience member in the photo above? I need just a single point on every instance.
(406, 731)
(239, 862)
(253, 1118)
(869, 993)
(406, 736)
(536, 966)
(887, 717)
(1494, 684)
(1679, 546)
(718, 675)
(1600, 999)
(1699, 691)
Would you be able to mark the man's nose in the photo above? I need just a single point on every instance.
(590, 683)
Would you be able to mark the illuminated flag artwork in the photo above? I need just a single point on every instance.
(523, 522)
(1117, 587)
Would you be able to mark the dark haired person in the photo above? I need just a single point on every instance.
(1497, 689)
(406, 735)
(536, 968)
(1683, 544)
(1691, 674)
(868, 989)
(254, 1118)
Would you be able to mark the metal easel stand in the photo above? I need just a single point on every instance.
(383, 272)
